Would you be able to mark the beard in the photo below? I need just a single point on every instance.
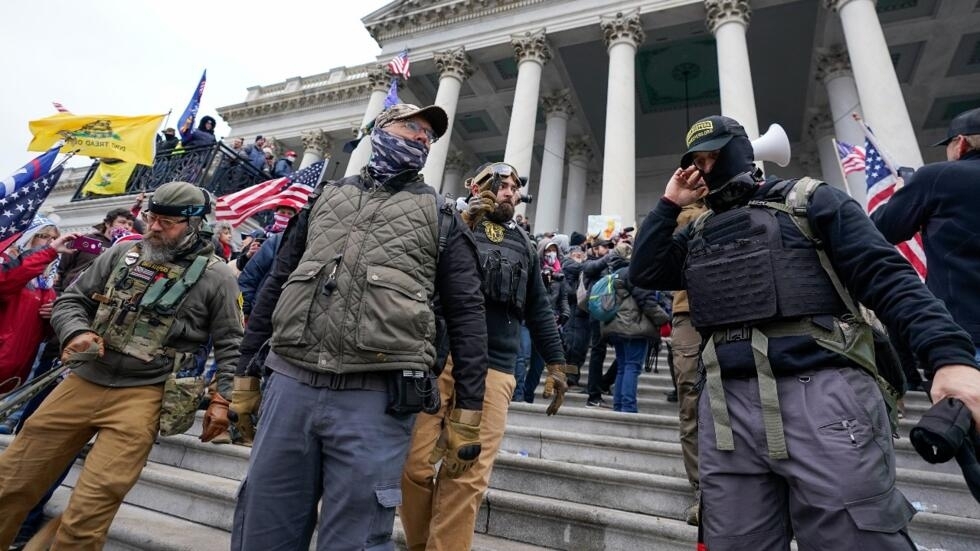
(157, 248)
(502, 214)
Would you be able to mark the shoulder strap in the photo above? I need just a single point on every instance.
(700, 221)
(444, 209)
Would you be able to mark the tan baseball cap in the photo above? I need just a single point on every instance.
(401, 111)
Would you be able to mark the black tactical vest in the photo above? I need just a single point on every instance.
(751, 265)
(505, 256)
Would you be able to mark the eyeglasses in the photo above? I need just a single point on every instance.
(417, 128)
(165, 223)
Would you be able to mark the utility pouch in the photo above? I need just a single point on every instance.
(412, 391)
(181, 396)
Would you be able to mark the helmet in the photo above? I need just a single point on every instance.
(180, 199)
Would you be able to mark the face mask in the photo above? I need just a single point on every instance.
(116, 233)
(551, 257)
(735, 158)
(391, 154)
(280, 221)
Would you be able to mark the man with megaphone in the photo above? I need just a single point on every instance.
(794, 436)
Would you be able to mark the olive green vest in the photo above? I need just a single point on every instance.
(359, 299)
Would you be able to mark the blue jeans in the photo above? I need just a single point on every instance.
(533, 377)
(521, 365)
(631, 352)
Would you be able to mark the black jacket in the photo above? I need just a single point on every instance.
(504, 327)
(457, 283)
(871, 268)
(942, 201)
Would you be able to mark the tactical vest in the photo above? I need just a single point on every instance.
(507, 263)
(743, 269)
(139, 305)
(358, 300)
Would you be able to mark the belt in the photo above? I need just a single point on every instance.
(373, 380)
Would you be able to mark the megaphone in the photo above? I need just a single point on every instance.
(773, 146)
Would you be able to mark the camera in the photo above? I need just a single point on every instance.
(527, 198)
(555, 276)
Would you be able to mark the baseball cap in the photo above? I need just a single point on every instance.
(710, 134)
(603, 243)
(966, 123)
(401, 111)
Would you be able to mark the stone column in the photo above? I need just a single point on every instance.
(454, 67)
(452, 176)
(877, 84)
(532, 52)
(728, 20)
(380, 81)
(579, 153)
(316, 147)
(623, 33)
(834, 70)
(557, 109)
(821, 131)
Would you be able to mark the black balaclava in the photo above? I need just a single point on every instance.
(733, 177)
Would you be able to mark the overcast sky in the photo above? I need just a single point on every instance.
(138, 57)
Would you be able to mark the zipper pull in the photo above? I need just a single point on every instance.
(847, 425)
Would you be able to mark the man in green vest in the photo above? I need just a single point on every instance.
(347, 314)
(131, 320)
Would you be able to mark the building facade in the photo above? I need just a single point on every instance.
(592, 98)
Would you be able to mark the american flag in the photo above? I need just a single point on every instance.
(881, 181)
(59, 108)
(291, 191)
(851, 157)
(398, 65)
(17, 209)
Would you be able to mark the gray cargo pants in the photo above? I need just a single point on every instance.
(315, 442)
(836, 490)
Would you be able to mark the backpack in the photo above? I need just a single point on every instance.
(582, 294)
(603, 301)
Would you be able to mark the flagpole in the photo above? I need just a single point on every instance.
(840, 167)
(167, 119)
(884, 154)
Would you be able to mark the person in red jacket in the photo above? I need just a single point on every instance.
(27, 276)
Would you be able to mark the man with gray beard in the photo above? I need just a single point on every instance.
(135, 317)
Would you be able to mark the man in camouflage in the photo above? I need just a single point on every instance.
(132, 320)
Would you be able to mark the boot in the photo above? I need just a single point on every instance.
(693, 512)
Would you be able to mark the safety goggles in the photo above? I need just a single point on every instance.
(500, 170)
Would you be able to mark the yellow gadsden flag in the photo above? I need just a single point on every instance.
(110, 178)
(124, 138)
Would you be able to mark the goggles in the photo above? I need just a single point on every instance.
(498, 171)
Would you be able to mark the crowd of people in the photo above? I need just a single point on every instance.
(368, 347)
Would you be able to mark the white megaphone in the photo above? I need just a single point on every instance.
(773, 146)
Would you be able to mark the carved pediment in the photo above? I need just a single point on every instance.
(408, 16)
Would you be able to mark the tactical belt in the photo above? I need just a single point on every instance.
(374, 380)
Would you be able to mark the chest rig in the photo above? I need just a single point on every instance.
(505, 258)
(770, 268)
(140, 302)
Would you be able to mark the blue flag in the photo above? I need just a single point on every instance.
(392, 97)
(17, 209)
(185, 125)
(33, 170)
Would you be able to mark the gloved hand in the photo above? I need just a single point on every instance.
(459, 444)
(479, 206)
(83, 346)
(215, 418)
(555, 384)
(245, 399)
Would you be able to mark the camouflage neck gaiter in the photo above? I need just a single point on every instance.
(391, 154)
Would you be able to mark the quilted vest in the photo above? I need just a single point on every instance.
(359, 299)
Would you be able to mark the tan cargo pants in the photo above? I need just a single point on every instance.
(440, 513)
(686, 344)
(125, 420)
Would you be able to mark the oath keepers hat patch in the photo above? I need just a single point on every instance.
(710, 134)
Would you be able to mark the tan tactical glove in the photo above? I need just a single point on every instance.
(479, 206)
(83, 347)
(555, 384)
(459, 444)
(215, 418)
(245, 400)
